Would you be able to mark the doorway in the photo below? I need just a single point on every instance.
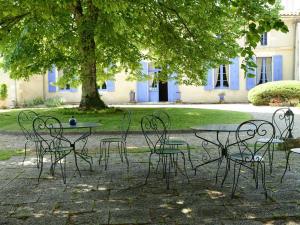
(163, 91)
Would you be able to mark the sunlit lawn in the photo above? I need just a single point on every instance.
(7, 154)
(109, 119)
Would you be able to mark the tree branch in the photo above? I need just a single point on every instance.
(10, 21)
(180, 18)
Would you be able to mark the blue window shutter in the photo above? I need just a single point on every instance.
(142, 94)
(277, 67)
(234, 74)
(210, 84)
(173, 90)
(251, 81)
(110, 85)
(52, 79)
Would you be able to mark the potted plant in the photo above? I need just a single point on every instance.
(221, 97)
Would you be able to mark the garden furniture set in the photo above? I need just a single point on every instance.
(245, 145)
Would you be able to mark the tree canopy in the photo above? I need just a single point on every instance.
(85, 37)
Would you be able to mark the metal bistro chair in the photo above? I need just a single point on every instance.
(250, 153)
(283, 121)
(120, 142)
(49, 132)
(293, 150)
(25, 121)
(155, 133)
(172, 141)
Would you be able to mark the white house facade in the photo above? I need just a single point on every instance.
(277, 58)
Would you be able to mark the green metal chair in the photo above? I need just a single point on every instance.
(283, 121)
(249, 153)
(155, 133)
(49, 132)
(174, 142)
(25, 121)
(120, 142)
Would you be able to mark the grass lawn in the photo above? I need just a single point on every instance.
(7, 154)
(110, 118)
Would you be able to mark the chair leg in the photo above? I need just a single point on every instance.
(219, 165)
(287, 153)
(159, 160)
(25, 150)
(53, 164)
(184, 167)
(120, 149)
(226, 171)
(168, 173)
(100, 153)
(164, 163)
(256, 172)
(106, 155)
(124, 148)
(286, 165)
(63, 168)
(235, 179)
(41, 167)
(263, 177)
(270, 158)
(76, 163)
(175, 161)
(37, 149)
(149, 168)
(189, 155)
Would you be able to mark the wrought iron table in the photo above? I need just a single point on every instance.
(218, 129)
(83, 137)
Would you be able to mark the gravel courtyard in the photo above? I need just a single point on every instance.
(118, 196)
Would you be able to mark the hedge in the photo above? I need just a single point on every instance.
(275, 93)
(3, 91)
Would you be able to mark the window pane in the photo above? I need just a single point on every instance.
(103, 86)
(264, 39)
(259, 70)
(269, 68)
(218, 77)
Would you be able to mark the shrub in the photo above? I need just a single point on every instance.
(34, 102)
(54, 102)
(38, 101)
(3, 91)
(275, 93)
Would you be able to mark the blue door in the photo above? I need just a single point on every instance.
(142, 94)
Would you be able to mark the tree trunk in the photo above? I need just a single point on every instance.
(90, 97)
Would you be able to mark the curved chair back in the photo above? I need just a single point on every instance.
(25, 121)
(154, 131)
(283, 121)
(247, 135)
(125, 124)
(164, 116)
(49, 132)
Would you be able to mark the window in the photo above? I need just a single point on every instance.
(66, 87)
(221, 76)
(153, 82)
(264, 70)
(103, 86)
(264, 39)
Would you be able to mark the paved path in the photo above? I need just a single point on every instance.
(232, 107)
(119, 197)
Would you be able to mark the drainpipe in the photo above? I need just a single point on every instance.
(44, 91)
(16, 94)
(297, 51)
